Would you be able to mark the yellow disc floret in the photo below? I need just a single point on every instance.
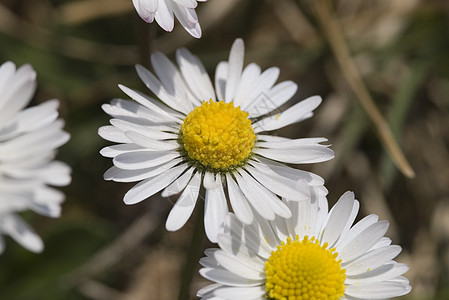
(304, 270)
(218, 135)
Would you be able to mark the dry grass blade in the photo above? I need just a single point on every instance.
(334, 35)
(402, 101)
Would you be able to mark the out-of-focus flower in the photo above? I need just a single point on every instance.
(164, 11)
(28, 141)
(316, 254)
(199, 138)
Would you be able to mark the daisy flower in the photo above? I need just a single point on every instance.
(28, 141)
(316, 254)
(197, 137)
(165, 10)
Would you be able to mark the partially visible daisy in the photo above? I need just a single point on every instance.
(163, 11)
(314, 255)
(28, 141)
(217, 139)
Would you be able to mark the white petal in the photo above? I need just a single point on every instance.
(239, 238)
(188, 19)
(294, 174)
(384, 241)
(34, 143)
(379, 290)
(240, 265)
(225, 277)
(246, 242)
(31, 119)
(209, 262)
(131, 110)
(187, 3)
(207, 289)
(240, 293)
(321, 215)
(119, 175)
(278, 207)
(113, 134)
(143, 159)
(302, 222)
(364, 241)
(235, 65)
(280, 227)
(179, 184)
(150, 103)
(266, 233)
(300, 155)
(221, 73)
(209, 252)
(48, 201)
(338, 218)
(239, 204)
(114, 150)
(18, 94)
(7, 71)
(215, 209)
(160, 91)
(294, 114)
(262, 200)
(262, 85)
(173, 82)
(350, 221)
(281, 186)
(164, 16)
(54, 172)
(21, 233)
(15, 186)
(183, 208)
(151, 186)
(400, 279)
(211, 181)
(356, 229)
(149, 5)
(272, 99)
(153, 132)
(280, 143)
(195, 75)
(372, 260)
(382, 273)
(301, 187)
(150, 143)
(146, 9)
(248, 79)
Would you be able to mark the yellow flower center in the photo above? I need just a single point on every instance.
(304, 270)
(218, 135)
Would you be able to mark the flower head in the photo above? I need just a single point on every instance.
(163, 11)
(316, 254)
(215, 139)
(29, 138)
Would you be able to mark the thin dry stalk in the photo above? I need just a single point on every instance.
(334, 34)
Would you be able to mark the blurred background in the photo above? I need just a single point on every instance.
(101, 249)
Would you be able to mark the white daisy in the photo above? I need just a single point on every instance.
(316, 254)
(201, 137)
(165, 10)
(28, 141)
